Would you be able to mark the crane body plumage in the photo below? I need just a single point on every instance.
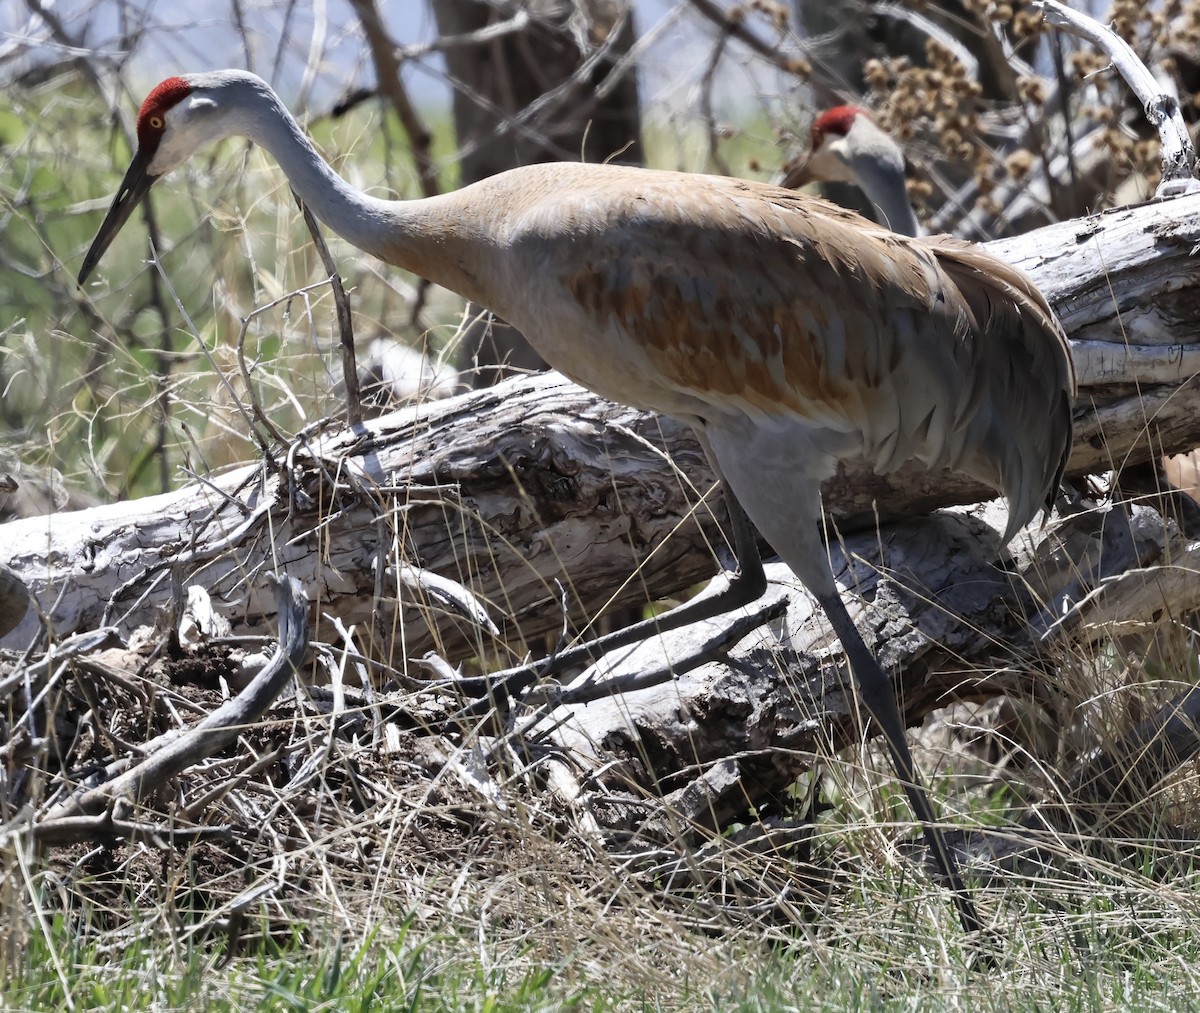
(789, 332)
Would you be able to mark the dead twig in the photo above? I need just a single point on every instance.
(734, 22)
(175, 751)
(62, 830)
(344, 318)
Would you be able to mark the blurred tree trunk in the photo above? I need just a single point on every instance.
(558, 87)
(842, 35)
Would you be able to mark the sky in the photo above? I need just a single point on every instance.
(322, 33)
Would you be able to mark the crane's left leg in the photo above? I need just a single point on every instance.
(776, 475)
(745, 585)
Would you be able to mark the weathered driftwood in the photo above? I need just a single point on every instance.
(510, 491)
(950, 621)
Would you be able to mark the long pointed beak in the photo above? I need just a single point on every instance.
(133, 189)
(797, 172)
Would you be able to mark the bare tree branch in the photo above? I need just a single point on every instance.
(387, 73)
(733, 22)
(1161, 107)
(125, 783)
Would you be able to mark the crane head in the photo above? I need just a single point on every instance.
(836, 137)
(175, 120)
(848, 146)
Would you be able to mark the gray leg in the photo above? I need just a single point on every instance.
(879, 698)
(746, 585)
(776, 475)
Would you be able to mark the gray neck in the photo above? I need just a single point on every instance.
(877, 165)
(355, 216)
(890, 198)
(430, 236)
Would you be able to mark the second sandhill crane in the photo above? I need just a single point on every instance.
(848, 146)
(788, 332)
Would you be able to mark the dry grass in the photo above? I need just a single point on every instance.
(337, 831)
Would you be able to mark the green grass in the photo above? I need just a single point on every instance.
(513, 914)
(1085, 961)
(65, 973)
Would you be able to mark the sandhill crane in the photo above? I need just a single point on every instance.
(788, 332)
(848, 146)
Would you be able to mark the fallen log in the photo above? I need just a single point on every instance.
(506, 493)
(936, 606)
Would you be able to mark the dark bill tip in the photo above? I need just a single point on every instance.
(133, 189)
(797, 174)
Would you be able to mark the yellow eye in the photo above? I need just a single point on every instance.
(156, 122)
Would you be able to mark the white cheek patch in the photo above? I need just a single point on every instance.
(171, 151)
(839, 160)
(184, 134)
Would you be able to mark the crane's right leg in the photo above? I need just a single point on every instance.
(776, 476)
(879, 697)
(807, 556)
